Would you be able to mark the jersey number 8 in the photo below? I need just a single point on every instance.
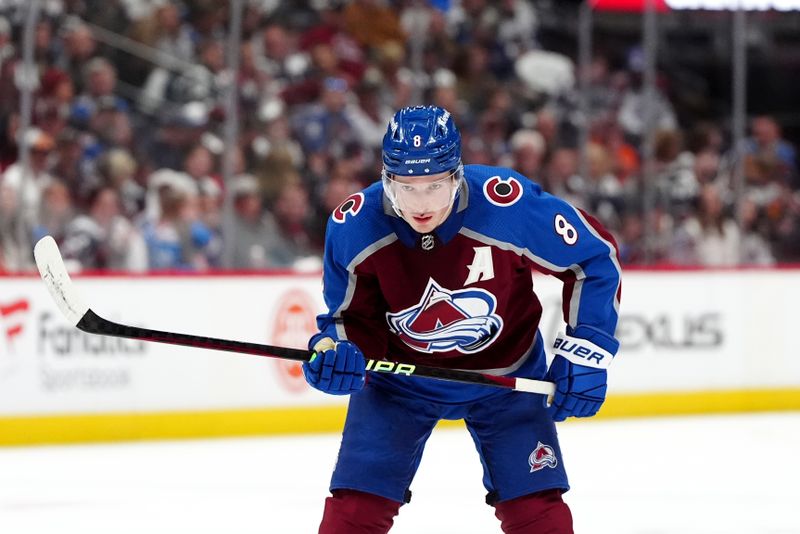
(565, 230)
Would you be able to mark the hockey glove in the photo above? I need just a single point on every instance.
(337, 367)
(579, 373)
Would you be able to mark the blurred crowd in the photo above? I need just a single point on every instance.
(126, 154)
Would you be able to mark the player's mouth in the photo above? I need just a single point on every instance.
(422, 219)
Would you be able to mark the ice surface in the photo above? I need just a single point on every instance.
(709, 475)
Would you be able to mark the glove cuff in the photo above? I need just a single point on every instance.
(581, 352)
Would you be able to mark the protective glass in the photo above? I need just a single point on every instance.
(420, 197)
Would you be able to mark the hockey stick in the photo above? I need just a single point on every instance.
(54, 274)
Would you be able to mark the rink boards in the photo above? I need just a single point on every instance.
(692, 342)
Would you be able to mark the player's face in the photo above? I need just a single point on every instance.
(424, 201)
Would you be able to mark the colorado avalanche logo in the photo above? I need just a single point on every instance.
(351, 205)
(462, 320)
(502, 192)
(541, 457)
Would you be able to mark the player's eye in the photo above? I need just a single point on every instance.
(435, 187)
(406, 188)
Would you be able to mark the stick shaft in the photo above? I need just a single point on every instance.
(95, 324)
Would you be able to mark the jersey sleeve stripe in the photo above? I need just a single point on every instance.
(612, 252)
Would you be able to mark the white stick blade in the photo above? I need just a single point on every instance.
(54, 274)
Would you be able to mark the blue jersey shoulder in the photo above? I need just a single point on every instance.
(508, 208)
(357, 224)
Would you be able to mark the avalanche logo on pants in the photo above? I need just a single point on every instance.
(443, 320)
(541, 457)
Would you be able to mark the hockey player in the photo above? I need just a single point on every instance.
(432, 266)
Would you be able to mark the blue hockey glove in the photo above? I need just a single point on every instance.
(579, 373)
(337, 367)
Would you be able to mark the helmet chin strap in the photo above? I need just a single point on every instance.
(396, 209)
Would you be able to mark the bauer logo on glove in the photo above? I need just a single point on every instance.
(581, 352)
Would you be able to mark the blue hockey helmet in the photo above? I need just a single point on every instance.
(421, 140)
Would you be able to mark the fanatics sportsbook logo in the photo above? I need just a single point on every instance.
(541, 457)
(444, 320)
(12, 314)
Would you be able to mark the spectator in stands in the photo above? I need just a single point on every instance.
(9, 151)
(100, 85)
(163, 28)
(444, 92)
(631, 114)
(292, 211)
(7, 49)
(783, 216)
(601, 98)
(44, 48)
(706, 167)
(709, 238)
(675, 181)
(8, 62)
(562, 179)
(331, 30)
(396, 80)
(275, 137)
(175, 237)
(110, 125)
(210, 214)
(765, 178)
(258, 243)
(278, 55)
(51, 109)
(28, 185)
(278, 168)
(549, 127)
(78, 47)
(117, 168)
(71, 166)
(767, 144)
(527, 153)
(327, 126)
(373, 23)
(165, 31)
(330, 195)
(754, 247)
(103, 238)
(177, 131)
(631, 239)
(200, 164)
(624, 156)
(56, 211)
(605, 194)
(252, 84)
(15, 233)
(202, 83)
